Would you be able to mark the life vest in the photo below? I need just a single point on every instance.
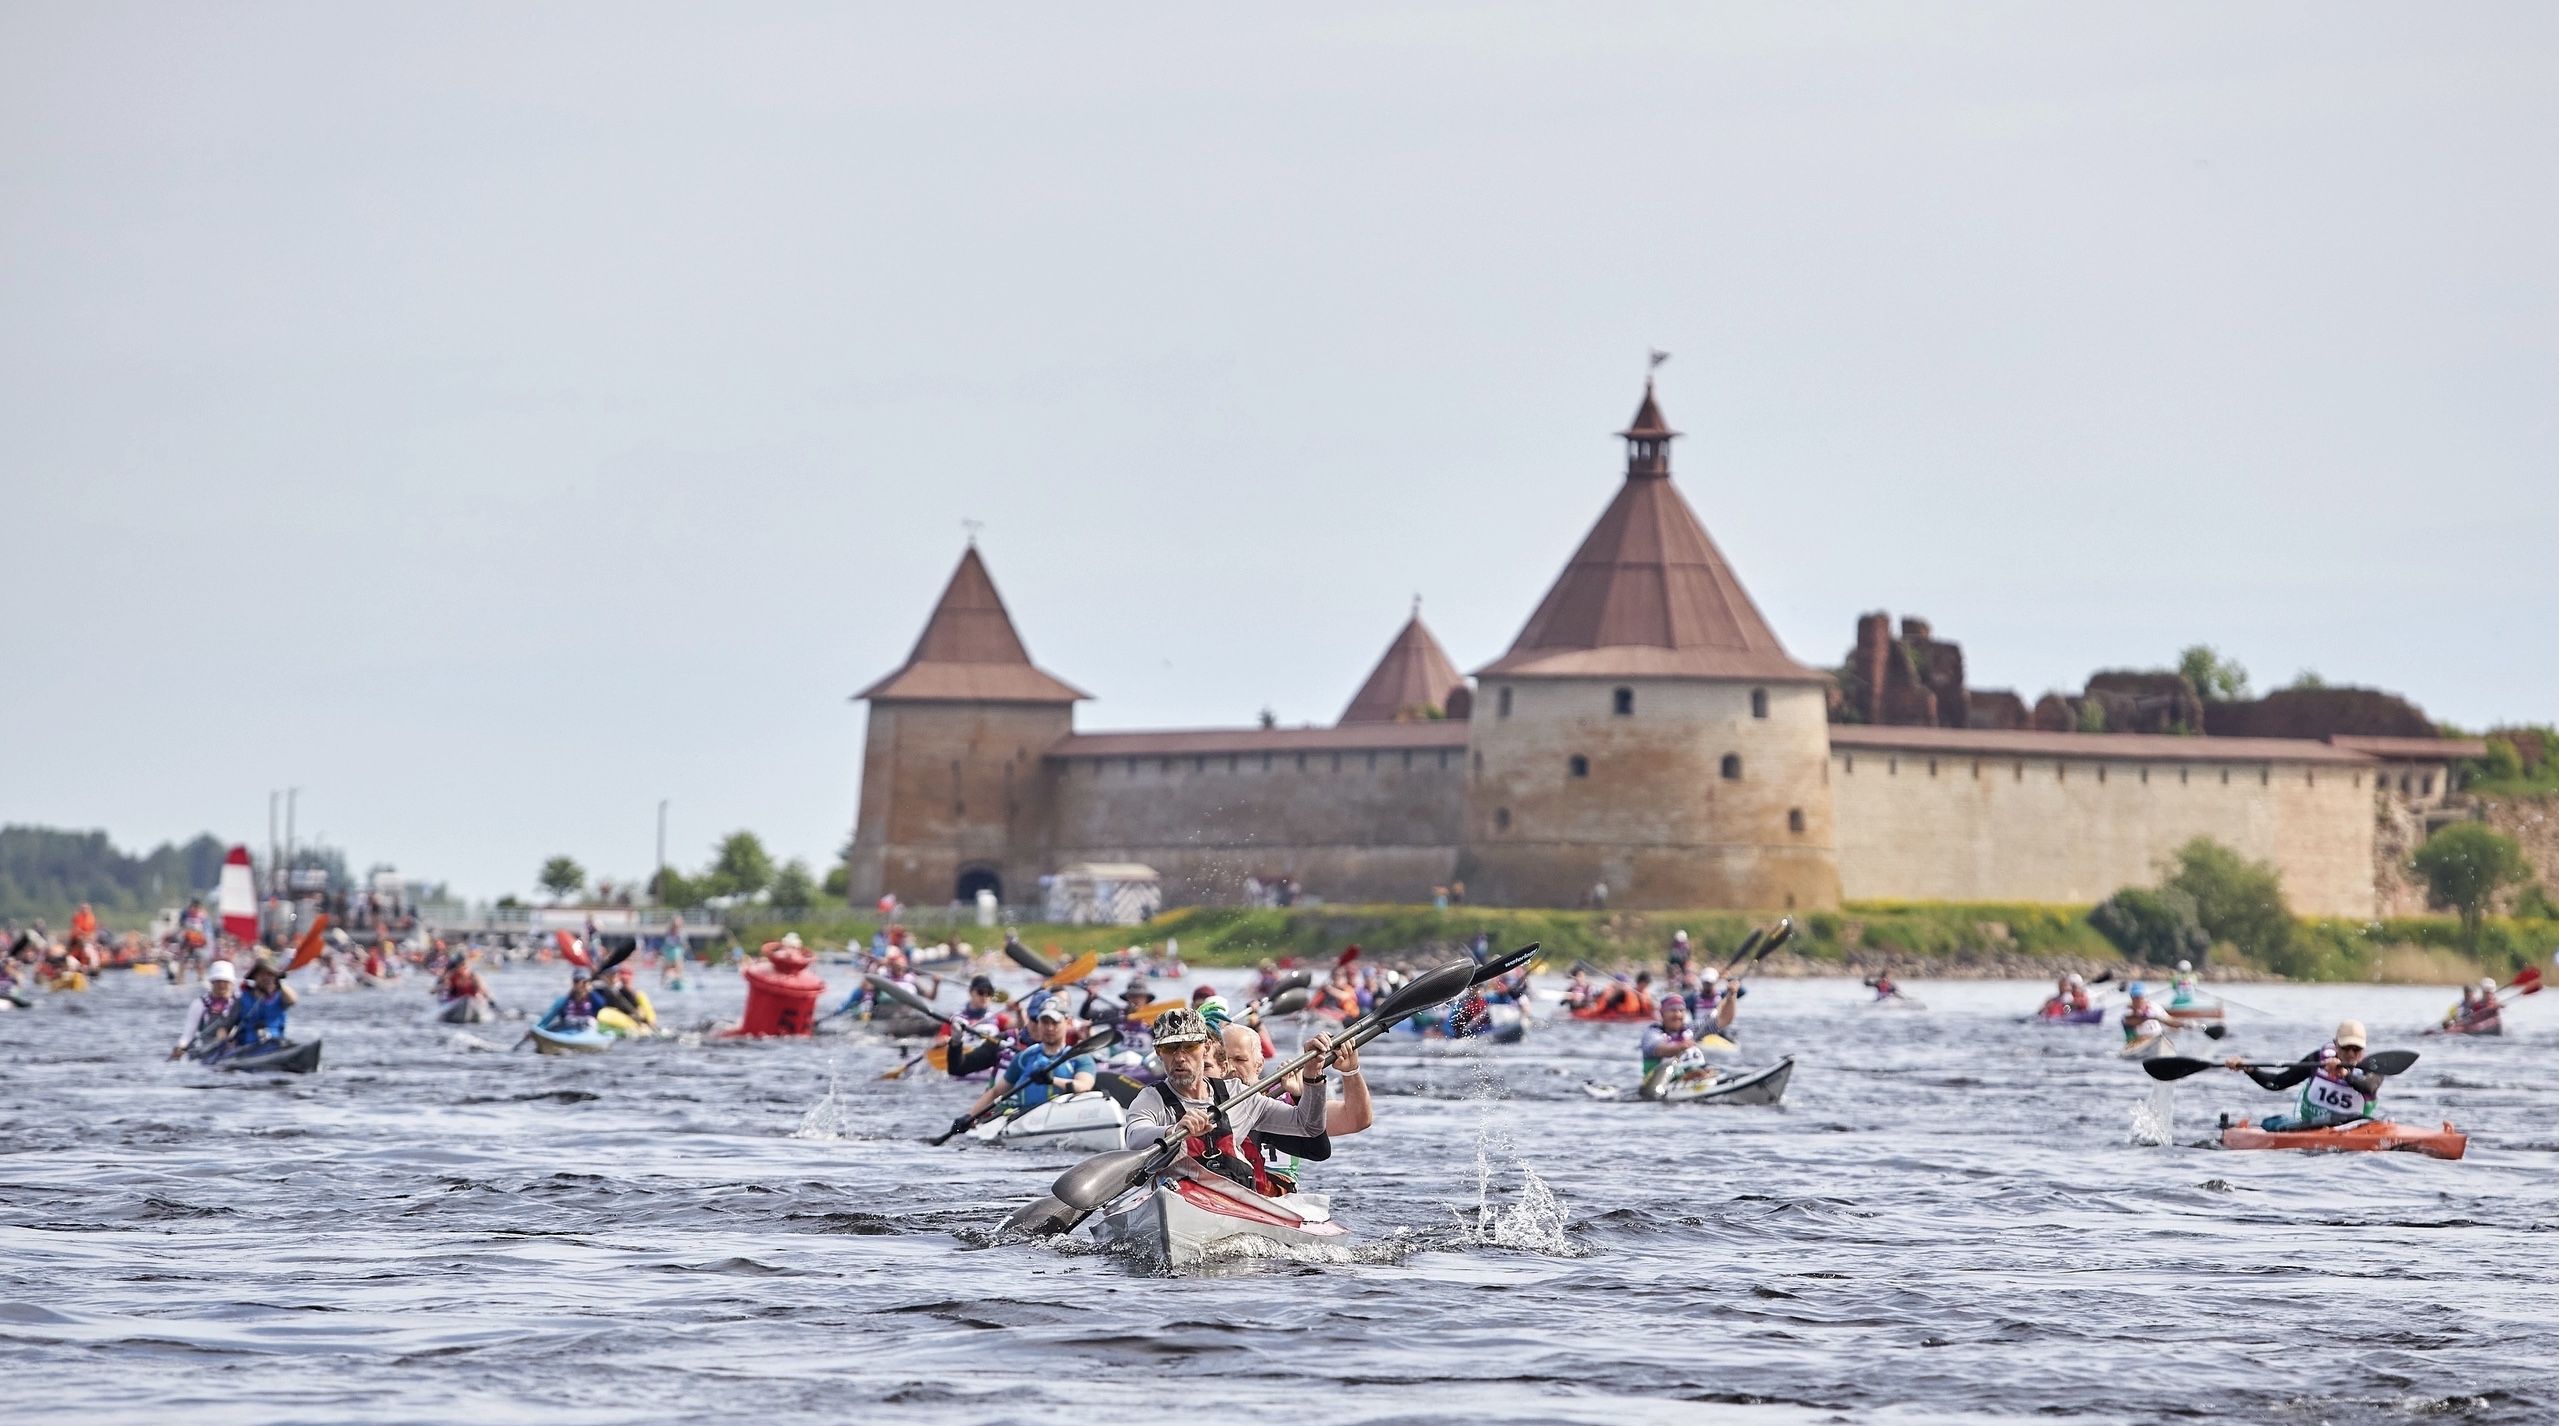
(1339, 1000)
(2331, 1097)
(261, 1017)
(1218, 1150)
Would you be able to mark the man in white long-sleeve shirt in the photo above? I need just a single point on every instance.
(1215, 1116)
(221, 992)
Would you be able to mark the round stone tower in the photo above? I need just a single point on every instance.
(1646, 732)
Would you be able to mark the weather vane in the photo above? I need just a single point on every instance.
(972, 526)
(1659, 356)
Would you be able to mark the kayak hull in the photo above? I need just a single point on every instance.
(1759, 1086)
(286, 1058)
(468, 1010)
(1598, 1016)
(2148, 1047)
(1191, 1217)
(1088, 1123)
(2093, 1015)
(572, 1042)
(2371, 1135)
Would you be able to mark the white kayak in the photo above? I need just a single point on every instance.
(1189, 1216)
(1691, 1080)
(1088, 1123)
(2147, 1047)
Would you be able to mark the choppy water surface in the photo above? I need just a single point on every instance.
(1950, 1219)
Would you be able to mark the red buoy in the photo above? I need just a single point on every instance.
(781, 993)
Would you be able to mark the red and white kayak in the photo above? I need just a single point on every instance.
(1189, 1216)
(2369, 1135)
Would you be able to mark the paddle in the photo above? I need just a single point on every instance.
(1101, 1039)
(308, 949)
(1279, 1007)
(1742, 952)
(1073, 971)
(1103, 1177)
(1294, 980)
(1030, 960)
(2175, 1067)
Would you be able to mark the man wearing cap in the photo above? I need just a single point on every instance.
(221, 992)
(1042, 1070)
(2333, 1090)
(965, 1053)
(1214, 1117)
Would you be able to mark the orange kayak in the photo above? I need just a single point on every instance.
(2444, 1143)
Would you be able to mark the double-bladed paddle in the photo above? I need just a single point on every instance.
(1101, 1039)
(1030, 960)
(2176, 1067)
(1103, 1177)
(1750, 944)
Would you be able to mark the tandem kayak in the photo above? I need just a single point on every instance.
(2492, 1025)
(284, 1058)
(2366, 1136)
(2093, 1015)
(1087, 1123)
(1623, 1015)
(1188, 1216)
(591, 1041)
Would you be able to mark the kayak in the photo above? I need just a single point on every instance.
(1693, 1081)
(287, 1057)
(1894, 1001)
(1088, 1123)
(1627, 1016)
(2369, 1134)
(622, 1024)
(572, 1042)
(2190, 1011)
(1188, 1216)
(2147, 1047)
(466, 1010)
(2493, 1025)
(2093, 1015)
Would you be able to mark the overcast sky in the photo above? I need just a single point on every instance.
(493, 420)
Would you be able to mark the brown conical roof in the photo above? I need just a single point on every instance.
(970, 653)
(1648, 594)
(1414, 676)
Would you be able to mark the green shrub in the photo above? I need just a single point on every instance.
(2466, 864)
(2160, 927)
(2237, 901)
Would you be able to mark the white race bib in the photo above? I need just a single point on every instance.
(2334, 1098)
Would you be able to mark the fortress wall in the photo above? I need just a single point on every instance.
(948, 786)
(1944, 827)
(1347, 824)
(1654, 817)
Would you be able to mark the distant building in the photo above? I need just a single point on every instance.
(1646, 742)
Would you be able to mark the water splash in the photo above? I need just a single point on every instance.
(1533, 1221)
(828, 1119)
(2154, 1117)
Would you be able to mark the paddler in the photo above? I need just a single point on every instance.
(2140, 1012)
(1040, 1071)
(1213, 1116)
(221, 992)
(966, 1054)
(461, 981)
(259, 1017)
(1244, 1050)
(2333, 1090)
(2182, 991)
(620, 989)
(1667, 1037)
(1338, 997)
(577, 1009)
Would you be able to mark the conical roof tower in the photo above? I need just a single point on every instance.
(1648, 594)
(1410, 684)
(970, 653)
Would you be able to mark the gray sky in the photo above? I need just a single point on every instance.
(495, 419)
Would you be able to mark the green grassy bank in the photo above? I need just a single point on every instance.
(2427, 949)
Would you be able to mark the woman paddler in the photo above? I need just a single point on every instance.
(1214, 1117)
(577, 1009)
(2333, 1090)
(259, 1019)
(221, 992)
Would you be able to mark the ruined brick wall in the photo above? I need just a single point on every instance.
(2070, 830)
(2320, 713)
(951, 786)
(1353, 825)
(1653, 815)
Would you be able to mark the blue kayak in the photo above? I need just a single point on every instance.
(593, 1040)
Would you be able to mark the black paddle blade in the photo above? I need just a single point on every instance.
(1287, 1002)
(901, 995)
(1096, 1042)
(1785, 932)
(2389, 1062)
(1743, 951)
(2215, 1031)
(1421, 993)
(1103, 1177)
(1294, 980)
(617, 958)
(1041, 1218)
(2102, 977)
(2174, 1067)
(1500, 966)
(1029, 960)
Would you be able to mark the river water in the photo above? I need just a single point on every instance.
(1950, 1219)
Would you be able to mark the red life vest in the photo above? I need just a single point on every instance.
(1218, 1150)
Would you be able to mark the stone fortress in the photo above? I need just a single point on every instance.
(1646, 732)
